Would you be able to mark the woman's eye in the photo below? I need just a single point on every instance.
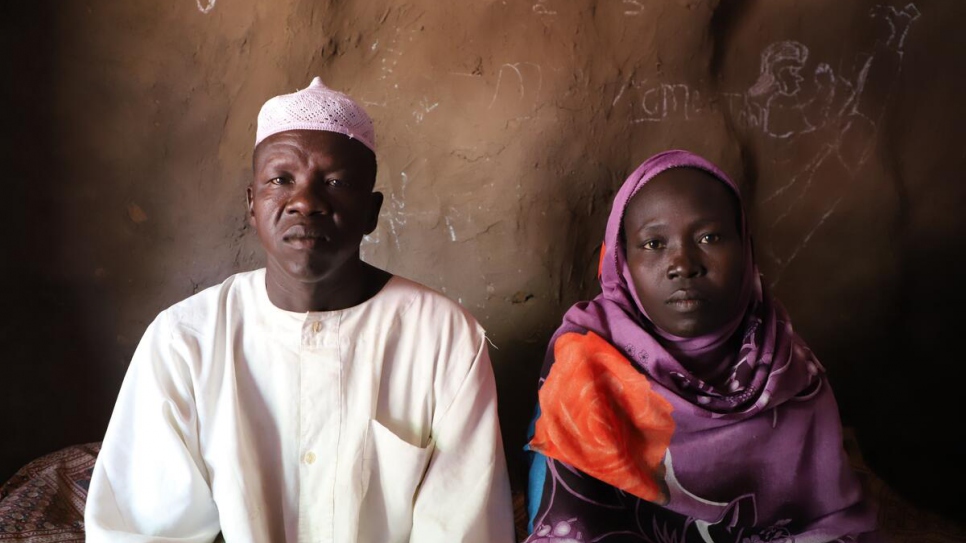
(652, 244)
(710, 238)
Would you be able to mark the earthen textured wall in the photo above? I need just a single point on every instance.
(504, 128)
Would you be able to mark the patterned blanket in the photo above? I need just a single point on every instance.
(44, 501)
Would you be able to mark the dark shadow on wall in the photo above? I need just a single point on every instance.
(889, 340)
(516, 366)
(48, 376)
(574, 188)
(724, 24)
(910, 419)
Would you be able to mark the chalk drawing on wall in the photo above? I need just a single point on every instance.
(397, 208)
(633, 7)
(899, 22)
(523, 72)
(449, 226)
(389, 55)
(779, 85)
(832, 110)
(424, 108)
(205, 6)
(630, 7)
(394, 214)
(542, 7)
(799, 103)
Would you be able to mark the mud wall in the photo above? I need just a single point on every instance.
(504, 128)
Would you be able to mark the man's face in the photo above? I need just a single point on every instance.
(311, 202)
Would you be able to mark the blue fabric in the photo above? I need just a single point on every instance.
(538, 474)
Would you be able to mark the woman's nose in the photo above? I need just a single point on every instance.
(685, 264)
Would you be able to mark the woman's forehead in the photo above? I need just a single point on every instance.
(686, 185)
(678, 194)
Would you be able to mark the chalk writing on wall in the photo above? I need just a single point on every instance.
(542, 7)
(424, 108)
(523, 71)
(657, 101)
(630, 7)
(791, 96)
(206, 6)
(397, 208)
(389, 55)
(633, 7)
(800, 103)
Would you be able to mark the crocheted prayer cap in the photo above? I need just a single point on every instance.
(316, 107)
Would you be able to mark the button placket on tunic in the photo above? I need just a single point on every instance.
(320, 416)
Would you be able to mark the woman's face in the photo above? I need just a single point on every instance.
(684, 251)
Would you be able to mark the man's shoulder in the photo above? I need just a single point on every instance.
(414, 297)
(236, 291)
(414, 308)
(427, 320)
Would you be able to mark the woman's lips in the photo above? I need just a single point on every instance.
(687, 300)
(686, 306)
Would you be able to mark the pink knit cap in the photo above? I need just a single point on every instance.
(316, 108)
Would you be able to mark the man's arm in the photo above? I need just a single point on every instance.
(150, 482)
(465, 493)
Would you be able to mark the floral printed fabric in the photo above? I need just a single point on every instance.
(606, 419)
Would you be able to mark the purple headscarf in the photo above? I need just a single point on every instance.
(755, 453)
(617, 315)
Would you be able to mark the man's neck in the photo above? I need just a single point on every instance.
(349, 288)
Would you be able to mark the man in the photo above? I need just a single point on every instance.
(318, 399)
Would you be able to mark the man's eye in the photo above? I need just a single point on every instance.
(334, 182)
(278, 180)
(710, 238)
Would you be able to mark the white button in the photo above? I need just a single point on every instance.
(310, 457)
(317, 327)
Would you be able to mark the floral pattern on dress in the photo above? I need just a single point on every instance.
(600, 415)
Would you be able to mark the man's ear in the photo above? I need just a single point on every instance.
(375, 204)
(249, 196)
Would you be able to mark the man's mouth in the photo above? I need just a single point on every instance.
(305, 241)
(301, 236)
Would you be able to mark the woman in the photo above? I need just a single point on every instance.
(679, 405)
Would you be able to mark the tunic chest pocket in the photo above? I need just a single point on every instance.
(392, 469)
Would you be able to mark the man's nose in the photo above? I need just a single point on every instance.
(685, 263)
(309, 198)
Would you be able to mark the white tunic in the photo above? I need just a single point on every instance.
(376, 423)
